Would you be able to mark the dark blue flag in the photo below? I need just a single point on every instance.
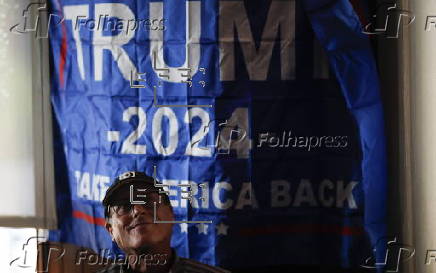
(269, 110)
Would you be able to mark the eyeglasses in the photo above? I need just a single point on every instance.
(124, 208)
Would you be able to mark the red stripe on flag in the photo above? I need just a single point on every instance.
(340, 230)
(88, 218)
(63, 55)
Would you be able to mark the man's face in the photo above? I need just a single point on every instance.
(134, 229)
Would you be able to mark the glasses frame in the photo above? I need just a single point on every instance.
(148, 205)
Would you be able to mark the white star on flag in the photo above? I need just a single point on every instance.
(222, 229)
(184, 227)
(202, 228)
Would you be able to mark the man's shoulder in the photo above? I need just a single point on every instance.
(193, 266)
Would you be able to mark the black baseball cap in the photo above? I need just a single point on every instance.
(127, 179)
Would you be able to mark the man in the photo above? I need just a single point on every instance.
(145, 243)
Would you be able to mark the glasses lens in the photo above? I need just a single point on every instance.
(123, 209)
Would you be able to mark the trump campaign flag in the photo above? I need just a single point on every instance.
(269, 111)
